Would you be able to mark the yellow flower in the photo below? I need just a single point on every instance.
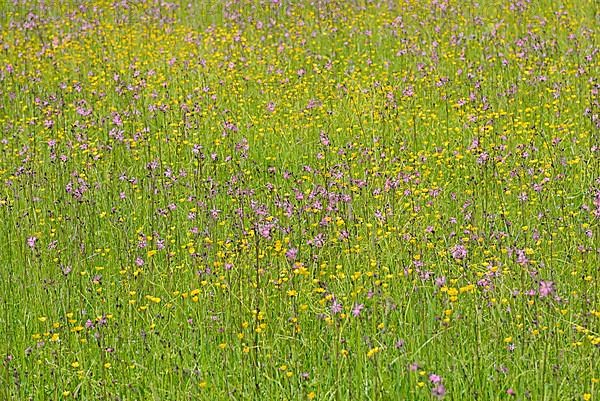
(373, 351)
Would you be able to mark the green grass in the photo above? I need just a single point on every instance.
(322, 200)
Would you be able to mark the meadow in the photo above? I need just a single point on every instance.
(299, 200)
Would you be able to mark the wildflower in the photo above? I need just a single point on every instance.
(336, 307)
(523, 197)
(291, 253)
(459, 252)
(373, 351)
(357, 309)
(66, 270)
(522, 257)
(439, 391)
(546, 288)
(324, 138)
(31, 242)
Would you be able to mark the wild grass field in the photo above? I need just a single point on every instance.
(299, 200)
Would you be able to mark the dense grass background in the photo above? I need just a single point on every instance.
(329, 200)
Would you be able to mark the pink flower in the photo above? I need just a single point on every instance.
(459, 252)
(439, 391)
(357, 309)
(31, 242)
(291, 253)
(546, 288)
